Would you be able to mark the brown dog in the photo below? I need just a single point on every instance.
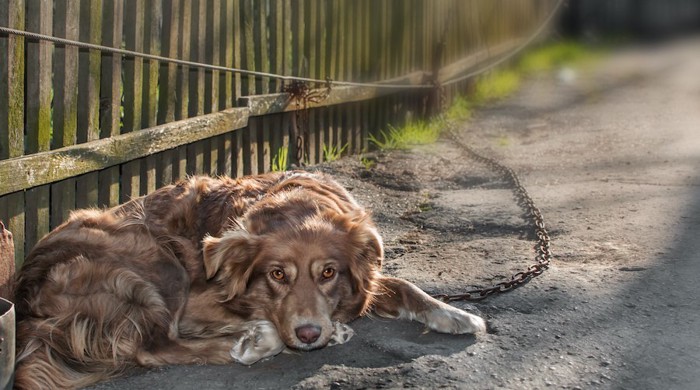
(207, 271)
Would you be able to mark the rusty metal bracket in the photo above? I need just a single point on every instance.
(7, 344)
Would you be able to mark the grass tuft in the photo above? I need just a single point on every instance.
(552, 56)
(413, 133)
(496, 85)
(460, 109)
(332, 153)
(279, 162)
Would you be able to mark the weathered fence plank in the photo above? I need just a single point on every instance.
(44, 168)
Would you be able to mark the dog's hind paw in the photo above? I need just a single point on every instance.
(341, 334)
(259, 342)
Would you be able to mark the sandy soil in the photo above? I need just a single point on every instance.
(612, 160)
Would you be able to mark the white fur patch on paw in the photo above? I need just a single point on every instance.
(259, 342)
(341, 334)
(448, 319)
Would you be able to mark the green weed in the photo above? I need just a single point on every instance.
(413, 133)
(552, 56)
(496, 85)
(279, 162)
(460, 109)
(367, 162)
(332, 153)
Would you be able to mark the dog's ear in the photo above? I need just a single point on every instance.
(365, 238)
(228, 259)
(366, 255)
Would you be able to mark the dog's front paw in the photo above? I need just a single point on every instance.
(341, 334)
(259, 342)
(448, 319)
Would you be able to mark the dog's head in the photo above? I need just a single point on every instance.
(300, 266)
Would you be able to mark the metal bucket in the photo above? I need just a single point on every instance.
(7, 344)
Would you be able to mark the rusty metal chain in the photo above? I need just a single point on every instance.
(302, 95)
(543, 254)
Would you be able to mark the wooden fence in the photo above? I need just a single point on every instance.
(88, 128)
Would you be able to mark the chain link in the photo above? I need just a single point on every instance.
(302, 94)
(543, 254)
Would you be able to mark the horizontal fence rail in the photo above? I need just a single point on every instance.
(83, 126)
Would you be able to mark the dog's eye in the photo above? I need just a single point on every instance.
(328, 273)
(278, 274)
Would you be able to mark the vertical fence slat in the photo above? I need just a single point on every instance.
(167, 84)
(213, 55)
(38, 114)
(277, 35)
(262, 62)
(12, 81)
(276, 145)
(195, 151)
(183, 76)
(310, 136)
(38, 68)
(89, 95)
(153, 21)
(110, 95)
(237, 31)
(198, 54)
(247, 46)
(226, 96)
(310, 36)
(65, 75)
(238, 168)
(66, 24)
(89, 72)
(182, 90)
(12, 115)
(133, 97)
(264, 159)
(211, 87)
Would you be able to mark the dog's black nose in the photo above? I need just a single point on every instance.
(308, 333)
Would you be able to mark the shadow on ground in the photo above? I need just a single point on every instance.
(377, 343)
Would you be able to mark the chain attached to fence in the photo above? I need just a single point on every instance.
(300, 92)
(543, 254)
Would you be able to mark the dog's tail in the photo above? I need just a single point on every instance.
(47, 360)
(74, 342)
(40, 367)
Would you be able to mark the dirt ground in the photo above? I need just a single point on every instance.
(611, 157)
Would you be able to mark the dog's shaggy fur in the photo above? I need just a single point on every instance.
(185, 274)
